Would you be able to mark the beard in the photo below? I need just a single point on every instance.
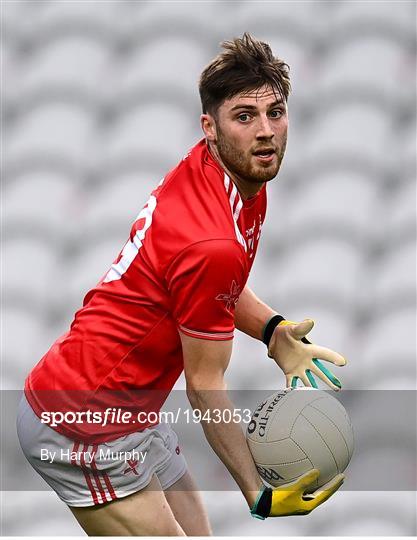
(243, 164)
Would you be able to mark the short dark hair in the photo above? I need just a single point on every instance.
(245, 64)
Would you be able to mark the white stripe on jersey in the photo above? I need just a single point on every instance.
(234, 195)
(132, 247)
(218, 335)
(238, 209)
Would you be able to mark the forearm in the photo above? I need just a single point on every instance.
(251, 314)
(228, 441)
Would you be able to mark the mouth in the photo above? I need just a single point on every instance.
(265, 154)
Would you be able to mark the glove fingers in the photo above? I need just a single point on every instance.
(307, 379)
(325, 492)
(327, 354)
(302, 329)
(291, 381)
(307, 480)
(325, 375)
(311, 378)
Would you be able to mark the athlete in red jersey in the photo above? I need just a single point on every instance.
(171, 301)
(182, 270)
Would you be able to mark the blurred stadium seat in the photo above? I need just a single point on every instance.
(144, 23)
(394, 285)
(364, 62)
(287, 17)
(356, 129)
(155, 129)
(53, 130)
(42, 202)
(118, 202)
(70, 65)
(29, 270)
(22, 344)
(340, 201)
(74, 18)
(35, 502)
(91, 263)
(388, 346)
(368, 520)
(347, 14)
(395, 381)
(13, 68)
(367, 526)
(159, 63)
(405, 149)
(321, 268)
(401, 218)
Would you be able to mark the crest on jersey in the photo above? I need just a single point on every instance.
(230, 298)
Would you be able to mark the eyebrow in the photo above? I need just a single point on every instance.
(253, 107)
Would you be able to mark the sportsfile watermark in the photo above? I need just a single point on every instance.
(113, 415)
(381, 452)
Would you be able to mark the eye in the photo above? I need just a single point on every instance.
(276, 113)
(244, 117)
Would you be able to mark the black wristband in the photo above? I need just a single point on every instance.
(262, 507)
(270, 327)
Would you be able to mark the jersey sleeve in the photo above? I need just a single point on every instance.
(205, 281)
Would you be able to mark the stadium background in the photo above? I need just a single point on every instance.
(100, 100)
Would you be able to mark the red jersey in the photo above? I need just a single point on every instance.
(187, 260)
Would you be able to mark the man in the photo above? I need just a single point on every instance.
(170, 302)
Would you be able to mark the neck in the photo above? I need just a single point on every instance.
(246, 189)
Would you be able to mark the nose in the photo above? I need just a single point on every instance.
(265, 130)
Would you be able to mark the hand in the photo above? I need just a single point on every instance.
(298, 358)
(292, 499)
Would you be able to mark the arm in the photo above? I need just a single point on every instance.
(251, 314)
(204, 365)
(196, 280)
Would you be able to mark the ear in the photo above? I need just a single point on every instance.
(208, 125)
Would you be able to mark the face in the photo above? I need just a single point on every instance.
(249, 134)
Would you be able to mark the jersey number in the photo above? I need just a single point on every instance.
(132, 247)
